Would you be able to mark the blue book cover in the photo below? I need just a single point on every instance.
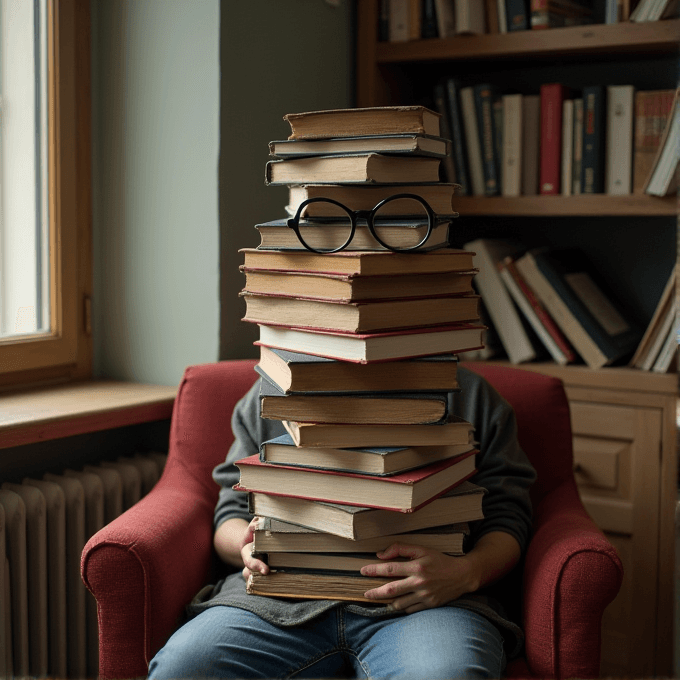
(592, 158)
(484, 107)
(517, 15)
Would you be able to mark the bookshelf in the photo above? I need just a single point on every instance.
(623, 419)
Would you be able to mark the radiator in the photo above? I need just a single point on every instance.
(48, 619)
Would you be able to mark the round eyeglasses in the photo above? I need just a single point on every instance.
(386, 224)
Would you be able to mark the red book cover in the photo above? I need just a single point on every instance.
(346, 485)
(552, 97)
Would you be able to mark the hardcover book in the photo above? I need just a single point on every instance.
(363, 121)
(370, 347)
(592, 158)
(458, 149)
(359, 317)
(356, 523)
(403, 492)
(619, 145)
(373, 460)
(552, 101)
(484, 95)
(295, 372)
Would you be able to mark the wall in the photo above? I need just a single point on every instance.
(155, 92)
(277, 57)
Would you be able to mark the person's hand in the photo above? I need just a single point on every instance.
(428, 579)
(251, 563)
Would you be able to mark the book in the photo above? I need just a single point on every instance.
(660, 340)
(429, 24)
(272, 535)
(416, 145)
(370, 347)
(619, 139)
(402, 492)
(458, 148)
(669, 349)
(399, 16)
(535, 313)
(493, 11)
(439, 196)
(356, 523)
(380, 120)
(364, 408)
(353, 168)
(570, 288)
(415, 19)
(359, 263)
(383, 460)
(472, 143)
(516, 15)
(641, 357)
(502, 16)
(663, 178)
(577, 147)
(560, 13)
(511, 157)
(592, 159)
(448, 167)
(453, 432)
(352, 288)
(309, 585)
(319, 234)
(531, 135)
(384, 21)
(484, 95)
(552, 102)
(445, 17)
(359, 317)
(294, 372)
(499, 304)
(654, 10)
(652, 109)
(469, 17)
(567, 146)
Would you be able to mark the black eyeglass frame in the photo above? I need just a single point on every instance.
(368, 215)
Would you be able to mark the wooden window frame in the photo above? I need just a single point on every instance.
(66, 351)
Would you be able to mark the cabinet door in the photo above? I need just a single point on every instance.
(617, 466)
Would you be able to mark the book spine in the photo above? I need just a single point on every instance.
(474, 149)
(458, 150)
(484, 97)
(441, 105)
(415, 19)
(429, 27)
(619, 147)
(445, 18)
(567, 145)
(539, 14)
(502, 16)
(491, 16)
(511, 174)
(469, 16)
(516, 15)
(399, 20)
(577, 148)
(552, 98)
(592, 170)
(531, 132)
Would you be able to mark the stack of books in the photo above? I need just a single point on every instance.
(358, 360)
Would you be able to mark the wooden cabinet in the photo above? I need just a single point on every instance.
(623, 419)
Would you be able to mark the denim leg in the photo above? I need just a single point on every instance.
(227, 642)
(446, 642)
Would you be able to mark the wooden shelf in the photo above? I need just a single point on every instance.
(598, 205)
(577, 42)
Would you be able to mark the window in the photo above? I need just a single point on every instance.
(45, 190)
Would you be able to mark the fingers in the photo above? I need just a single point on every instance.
(253, 563)
(412, 552)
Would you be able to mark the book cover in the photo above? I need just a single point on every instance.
(398, 21)
(299, 373)
(664, 176)
(402, 492)
(472, 141)
(577, 147)
(484, 95)
(445, 18)
(470, 17)
(362, 408)
(567, 146)
(370, 347)
(619, 139)
(458, 147)
(448, 166)
(429, 28)
(511, 175)
(592, 161)
(531, 148)
(553, 96)
(584, 306)
(516, 15)
(461, 504)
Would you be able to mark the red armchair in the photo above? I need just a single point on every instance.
(145, 566)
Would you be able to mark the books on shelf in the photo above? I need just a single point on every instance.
(553, 96)
(663, 178)
(402, 492)
(513, 145)
(484, 98)
(372, 460)
(592, 161)
(516, 15)
(469, 17)
(577, 148)
(357, 122)
(655, 10)
(472, 141)
(619, 139)
(304, 373)
(569, 287)
(560, 13)
(353, 288)
(567, 146)
(458, 148)
(531, 148)
(351, 168)
(463, 503)
(369, 347)
(272, 535)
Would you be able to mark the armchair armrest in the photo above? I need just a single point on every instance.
(572, 573)
(144, 567)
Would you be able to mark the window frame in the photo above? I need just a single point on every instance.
(66, 351)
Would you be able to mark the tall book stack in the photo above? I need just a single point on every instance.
(358, 354)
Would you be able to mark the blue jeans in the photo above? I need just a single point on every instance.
(226, 642)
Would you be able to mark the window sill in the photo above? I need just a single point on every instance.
(53, 412)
